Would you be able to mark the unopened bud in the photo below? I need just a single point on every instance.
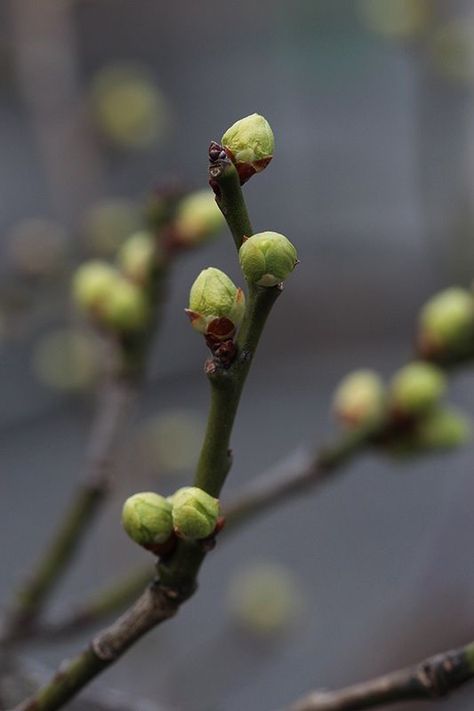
(216, 305)
(138, 255)
(443, 429)
(417, 388)
(197, 218)
(93, 283)
(126, 308)
(267, 258)
(147, 519)
(195, 513)
(447, 322)
(250, 144)
(359, 400)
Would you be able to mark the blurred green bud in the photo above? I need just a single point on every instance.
(195, 513)
(447, 321)
(250, 144)
(216, 305)
(126, 308)
(93, 283)
(147, 518)
(417, 388)
(138, 255)
(266, 599)
(197, 218)
(443, 429)
(360, 399)
(267, 258)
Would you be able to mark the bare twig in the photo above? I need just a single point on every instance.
(431, 679)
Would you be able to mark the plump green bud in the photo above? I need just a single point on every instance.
(359, 400)
(197, 218)
(250, 144)
(92, 284)
(267, 258)
(195, 513)
(216, 305)
(443, 429)
(138, 255)
(417, 388)
(126, 308)
(147, 518)
(447, 321)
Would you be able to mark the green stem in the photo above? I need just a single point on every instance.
(225, 181)
(226, 389)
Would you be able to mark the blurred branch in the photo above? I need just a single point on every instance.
(106, 435)
(112, 599)
(431, 679)
(294, 475)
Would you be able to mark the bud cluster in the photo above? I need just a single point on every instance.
(216, 305)
(155, 522)
(407, 415)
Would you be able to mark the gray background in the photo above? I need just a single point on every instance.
(372, 180)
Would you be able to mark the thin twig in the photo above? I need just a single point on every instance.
(107, 431)
(431, 679)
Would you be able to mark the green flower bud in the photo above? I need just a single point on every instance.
(417, 388)
(443, 429)
(147, 518)
(360, 399)
(195, 513)
(447, 321)
(126, 308)
(92, 284)
(216, 305)
(267, 258)
(198, 218)
(138, 255)
(250, 144)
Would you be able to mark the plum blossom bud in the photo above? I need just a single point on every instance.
(250, 144)
(417, 388)
(359, 400)
(138, 256)
(147, 519)
(216, 305)
(197, 218)
(194, 512)
(267, 258)
(126, 307)
(443, 428)
(447, 322)
(92, 284)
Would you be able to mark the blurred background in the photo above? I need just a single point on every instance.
(372, 106)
